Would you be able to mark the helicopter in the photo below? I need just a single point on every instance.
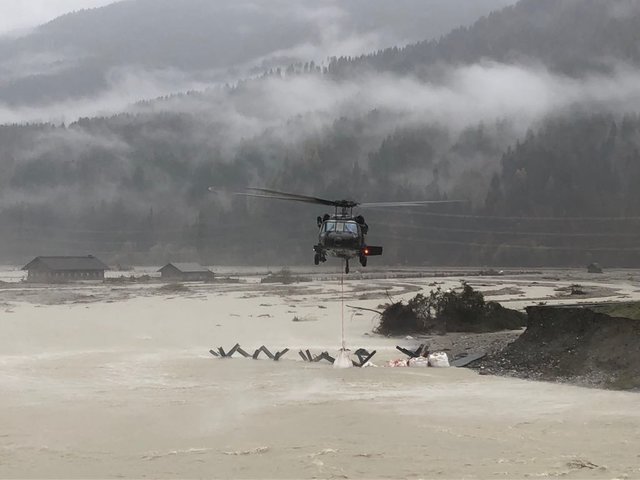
(342, 234)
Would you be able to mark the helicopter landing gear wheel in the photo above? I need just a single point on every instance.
(346, 268)
(363, 261)
(316, 259)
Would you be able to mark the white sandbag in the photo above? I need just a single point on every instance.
(343, 360)
(439, 360)
(419, 362)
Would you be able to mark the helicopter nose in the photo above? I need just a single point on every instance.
(339, 240)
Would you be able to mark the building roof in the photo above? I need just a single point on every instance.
(188, 267)
(68, 264)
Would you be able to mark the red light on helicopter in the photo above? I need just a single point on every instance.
(370, 251)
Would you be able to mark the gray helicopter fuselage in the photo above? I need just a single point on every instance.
(341, 237)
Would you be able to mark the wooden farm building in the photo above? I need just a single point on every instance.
(63, 269)
(186, 272)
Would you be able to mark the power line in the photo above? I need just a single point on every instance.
(505, 245)
(150, 229)
(505, 232)
(223, 236)
(519, 218)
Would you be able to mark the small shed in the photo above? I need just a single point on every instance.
(186, 272)
(64, 269)
(594, 268)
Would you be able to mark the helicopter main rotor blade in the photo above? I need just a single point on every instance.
(277, 197)
(275, 194)
(410, 204)
(294, 197)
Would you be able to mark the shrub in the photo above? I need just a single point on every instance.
(448, 311)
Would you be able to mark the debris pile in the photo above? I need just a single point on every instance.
(436, 360)
(463, 310)
(173, 288)
(419, 358)
(285, 277)
(130, 279)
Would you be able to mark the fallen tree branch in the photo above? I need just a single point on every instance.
(365, 309)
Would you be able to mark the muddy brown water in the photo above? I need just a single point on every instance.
(125, 388)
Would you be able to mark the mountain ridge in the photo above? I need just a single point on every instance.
(568, 37)
(209, 37)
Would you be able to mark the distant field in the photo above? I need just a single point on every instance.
(624, 310)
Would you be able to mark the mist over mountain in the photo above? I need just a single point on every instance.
(140, 49)
(520, 114)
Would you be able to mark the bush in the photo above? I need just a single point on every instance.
(576, 289)
(398, 319)
(448, 311)
(594, 268)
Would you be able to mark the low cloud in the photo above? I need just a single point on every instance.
(310, 31)
(464, 97)
(126, 86)
(294, 107)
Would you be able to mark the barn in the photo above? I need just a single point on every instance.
(65, 269)
(186, 272)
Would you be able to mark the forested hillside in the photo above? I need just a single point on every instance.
(542, 141)
(167, 46)
(567, 36)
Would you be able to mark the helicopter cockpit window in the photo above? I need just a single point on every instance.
(351, 227)
(329, 227)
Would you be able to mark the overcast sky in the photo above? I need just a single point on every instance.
(21, 14)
